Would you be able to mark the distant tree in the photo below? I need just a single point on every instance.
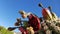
(4, 31)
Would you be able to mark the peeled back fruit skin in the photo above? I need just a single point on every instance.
(46, 14)
(17, 24)
(54, 16)
(11, 29)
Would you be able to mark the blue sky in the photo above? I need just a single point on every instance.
(9, 9)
